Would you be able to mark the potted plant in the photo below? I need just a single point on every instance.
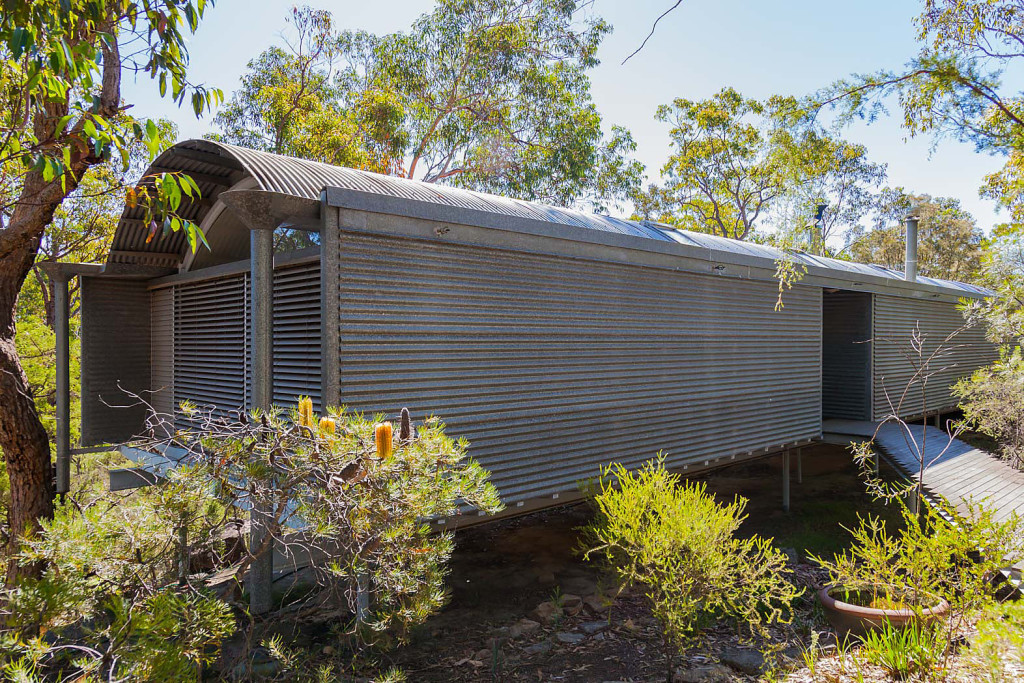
(855, 612)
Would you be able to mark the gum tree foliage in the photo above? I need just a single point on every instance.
(739, 164)
(490, 95)
(950, 243)
(671, 538)
(291, 101)
(952, 88)
(62, 115)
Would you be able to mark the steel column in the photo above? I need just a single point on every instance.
(261, 571)
(799, 466)
(785, 481)
(63, 370)
(330, 390)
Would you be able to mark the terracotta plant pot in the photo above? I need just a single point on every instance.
(847, 618)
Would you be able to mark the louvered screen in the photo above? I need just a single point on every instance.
(210, 358)
(297, 334)
(209, 343)
(162, 351)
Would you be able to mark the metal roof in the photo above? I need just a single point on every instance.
(217, 166)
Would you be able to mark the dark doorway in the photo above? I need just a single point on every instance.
(846, 355)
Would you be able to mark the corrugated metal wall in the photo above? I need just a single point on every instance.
(895, 319)
(115, 358)
(206, 357)
(552, 365)
(846, 355)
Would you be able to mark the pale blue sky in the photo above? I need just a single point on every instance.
(758, 47)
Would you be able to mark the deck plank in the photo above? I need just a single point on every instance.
(960, 474)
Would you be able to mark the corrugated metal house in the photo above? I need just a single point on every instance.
(553, 340)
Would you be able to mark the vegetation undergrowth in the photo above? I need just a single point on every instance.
(672, 538)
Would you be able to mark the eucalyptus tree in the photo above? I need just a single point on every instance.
(63, 114)
(950, 243)
(490, 95)
(739, 165)
(290, 101)
(953, 87)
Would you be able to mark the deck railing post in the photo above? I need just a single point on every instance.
(261, 571)
(785, 481)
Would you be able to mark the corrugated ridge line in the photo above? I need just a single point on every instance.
(894, 319)
(548, 380)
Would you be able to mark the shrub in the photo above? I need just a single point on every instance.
(124, 593)
(672, 538)
(992, 399)
(351, 494)
(937, 553)
(107, 605)
(907, 651)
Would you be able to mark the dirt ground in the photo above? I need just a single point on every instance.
(501, 572)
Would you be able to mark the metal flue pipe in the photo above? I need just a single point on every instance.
(910, 270)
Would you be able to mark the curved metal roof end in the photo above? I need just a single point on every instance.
(217, 166)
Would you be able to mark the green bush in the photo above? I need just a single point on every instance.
(124, 592)
(917, 649)
(992, 399)
(672, 538)
(940, 552)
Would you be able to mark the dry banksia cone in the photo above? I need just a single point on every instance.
(405, 430)
(383, 436)
(327, 426)
(306, 412)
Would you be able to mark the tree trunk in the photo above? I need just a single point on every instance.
(23, 439)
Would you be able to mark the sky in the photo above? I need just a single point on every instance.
(788, 47)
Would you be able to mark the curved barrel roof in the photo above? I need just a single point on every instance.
(217, 166)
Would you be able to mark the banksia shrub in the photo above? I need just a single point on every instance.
(328, 426)
(383, 434)
(306, 412)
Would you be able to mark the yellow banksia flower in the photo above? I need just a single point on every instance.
(327, 426)
(382, 433)
(306, 412)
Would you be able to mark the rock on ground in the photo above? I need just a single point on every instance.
(742, 659)
(703, 674)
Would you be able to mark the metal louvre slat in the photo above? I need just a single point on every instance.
(894, 320)
(209, 346)
(297, 357)
(552, 366)
(162, 351)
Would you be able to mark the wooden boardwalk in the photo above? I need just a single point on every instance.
(954, 470)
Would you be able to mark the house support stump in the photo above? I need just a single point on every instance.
(785, 480)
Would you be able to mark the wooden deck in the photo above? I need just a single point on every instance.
(954, 470)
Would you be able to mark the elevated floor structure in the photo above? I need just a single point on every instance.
(954, 470)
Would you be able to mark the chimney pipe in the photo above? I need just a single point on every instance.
(910, 271)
